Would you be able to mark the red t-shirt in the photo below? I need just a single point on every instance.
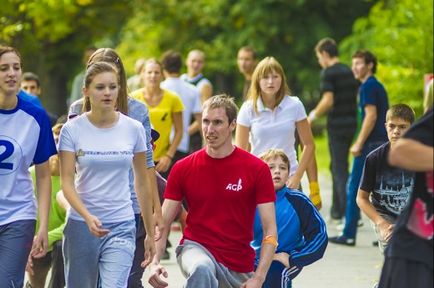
(222, 195)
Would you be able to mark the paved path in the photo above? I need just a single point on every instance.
(341, 267)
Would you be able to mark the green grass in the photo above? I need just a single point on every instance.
(322, 153)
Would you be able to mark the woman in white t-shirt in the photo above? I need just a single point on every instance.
(97, 149)
(25, 140)
(270, 116)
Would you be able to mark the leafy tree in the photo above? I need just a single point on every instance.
(52, 35)
(400, 34)
(287, 30)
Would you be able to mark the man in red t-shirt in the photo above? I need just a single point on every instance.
(222, 186)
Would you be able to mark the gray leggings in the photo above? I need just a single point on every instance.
(202, 270)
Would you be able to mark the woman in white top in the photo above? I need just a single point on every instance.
(270, 117)
(99, 147)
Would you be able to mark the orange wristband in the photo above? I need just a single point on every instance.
(270, 239)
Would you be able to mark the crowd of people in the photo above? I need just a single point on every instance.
(104, 210)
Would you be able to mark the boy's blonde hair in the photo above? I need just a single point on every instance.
(275, 153)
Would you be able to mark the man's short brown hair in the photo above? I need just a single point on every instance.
(222, 101)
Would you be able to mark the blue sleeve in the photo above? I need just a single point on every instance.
(368, 95)
(30, 98)
(313, 229)
(35, 100)
(149, 154)
(46, 146)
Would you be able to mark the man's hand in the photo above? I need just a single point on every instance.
(254, 282)
(356, 149)
(163, 164)
(311, 117)
(155, 276)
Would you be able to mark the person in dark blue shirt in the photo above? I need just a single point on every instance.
(301, 230)
(373, 106)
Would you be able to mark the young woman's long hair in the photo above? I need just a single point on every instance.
(110, 56)
(266, 66)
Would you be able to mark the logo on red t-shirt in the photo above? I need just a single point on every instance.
(235, 187)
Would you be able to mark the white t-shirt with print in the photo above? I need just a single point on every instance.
(103, 158)
(273, 129)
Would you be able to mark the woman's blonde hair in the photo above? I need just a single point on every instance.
(265, 67)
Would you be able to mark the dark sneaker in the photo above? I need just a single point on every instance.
(342, 240)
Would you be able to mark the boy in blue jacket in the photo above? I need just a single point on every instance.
(301, 230)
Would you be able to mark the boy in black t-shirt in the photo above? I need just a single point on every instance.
(409, 255)
(384, 190)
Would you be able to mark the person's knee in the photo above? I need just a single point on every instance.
(277, 276)
(202, 275)
(202, 269)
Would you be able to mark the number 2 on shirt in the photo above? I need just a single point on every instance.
(8, 151)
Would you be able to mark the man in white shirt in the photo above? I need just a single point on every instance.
(195, 63)
(190, 97)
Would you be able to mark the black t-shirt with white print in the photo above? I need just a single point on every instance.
(390, 187)
(412, 238)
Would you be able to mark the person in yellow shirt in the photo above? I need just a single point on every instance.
(165, 113)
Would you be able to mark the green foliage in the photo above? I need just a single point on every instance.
(322, 154)
(52, 35)
(400, 34)
(287, 30)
